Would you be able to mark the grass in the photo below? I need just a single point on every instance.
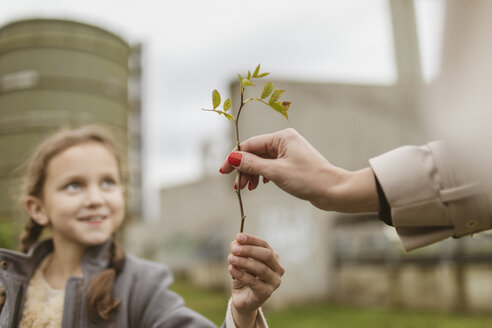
(212, 304)
(338, 316)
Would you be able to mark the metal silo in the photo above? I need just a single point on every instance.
(56, 73)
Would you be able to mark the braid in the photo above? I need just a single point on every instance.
(31, 234)
(102, 305)
(117, 259)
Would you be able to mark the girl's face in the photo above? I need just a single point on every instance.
(83, 200)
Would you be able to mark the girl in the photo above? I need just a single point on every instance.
(81, 277)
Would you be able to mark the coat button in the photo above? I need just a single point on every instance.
(4, 265)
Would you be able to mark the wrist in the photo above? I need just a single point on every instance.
(358, 192)
(332, 183)
(244, 319)
(345, 191)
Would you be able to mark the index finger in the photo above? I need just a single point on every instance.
(246, 239)
(265, 145)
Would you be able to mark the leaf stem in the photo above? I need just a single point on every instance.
(262, 101)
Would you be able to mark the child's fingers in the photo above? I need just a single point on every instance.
(246, 239)
(255, 268)
(262, 289)
(261, 254)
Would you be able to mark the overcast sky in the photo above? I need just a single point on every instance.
(192, 46)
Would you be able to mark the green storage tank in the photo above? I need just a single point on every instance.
(53, 74)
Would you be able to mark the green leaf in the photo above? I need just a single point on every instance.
(262, 75)
(277, 106)
(267, 90)
(229, 116)
(241, 82)
(227, 104)
(216, 98)
(247, 82)
(257, 70)
(276, 96)
(249, 75)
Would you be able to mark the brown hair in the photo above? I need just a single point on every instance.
(102, 305)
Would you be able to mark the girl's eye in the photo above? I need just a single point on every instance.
(73, 186)
(108, 183)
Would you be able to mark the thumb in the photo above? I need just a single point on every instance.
(251, 164)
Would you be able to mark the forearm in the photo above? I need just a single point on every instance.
(349, 192)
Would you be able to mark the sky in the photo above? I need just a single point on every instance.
(191, 47)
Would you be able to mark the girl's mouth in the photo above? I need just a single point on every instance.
(97, 219)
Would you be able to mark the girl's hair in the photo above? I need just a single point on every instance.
(102, 305)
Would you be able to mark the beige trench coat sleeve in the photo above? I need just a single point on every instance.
(430, 196)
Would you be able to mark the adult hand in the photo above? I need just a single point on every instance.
(287, 159)
(256, 273)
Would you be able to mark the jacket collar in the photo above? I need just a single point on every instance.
(96, 259)
(23, 266)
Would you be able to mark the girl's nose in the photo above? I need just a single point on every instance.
(94, 196)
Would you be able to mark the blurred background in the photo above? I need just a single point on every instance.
(356, 72)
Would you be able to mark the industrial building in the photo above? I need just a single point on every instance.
(59, 73)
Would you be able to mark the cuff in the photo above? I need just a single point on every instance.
(430, 196)
(229, 321)
(384, 208)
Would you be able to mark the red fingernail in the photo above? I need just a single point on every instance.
(249, 186)
(220, 170)
(235, 185)
(235, 159)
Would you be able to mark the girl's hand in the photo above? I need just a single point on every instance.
(256, 273)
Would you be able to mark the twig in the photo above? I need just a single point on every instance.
(239, 174)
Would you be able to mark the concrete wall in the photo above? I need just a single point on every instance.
(444, 286)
